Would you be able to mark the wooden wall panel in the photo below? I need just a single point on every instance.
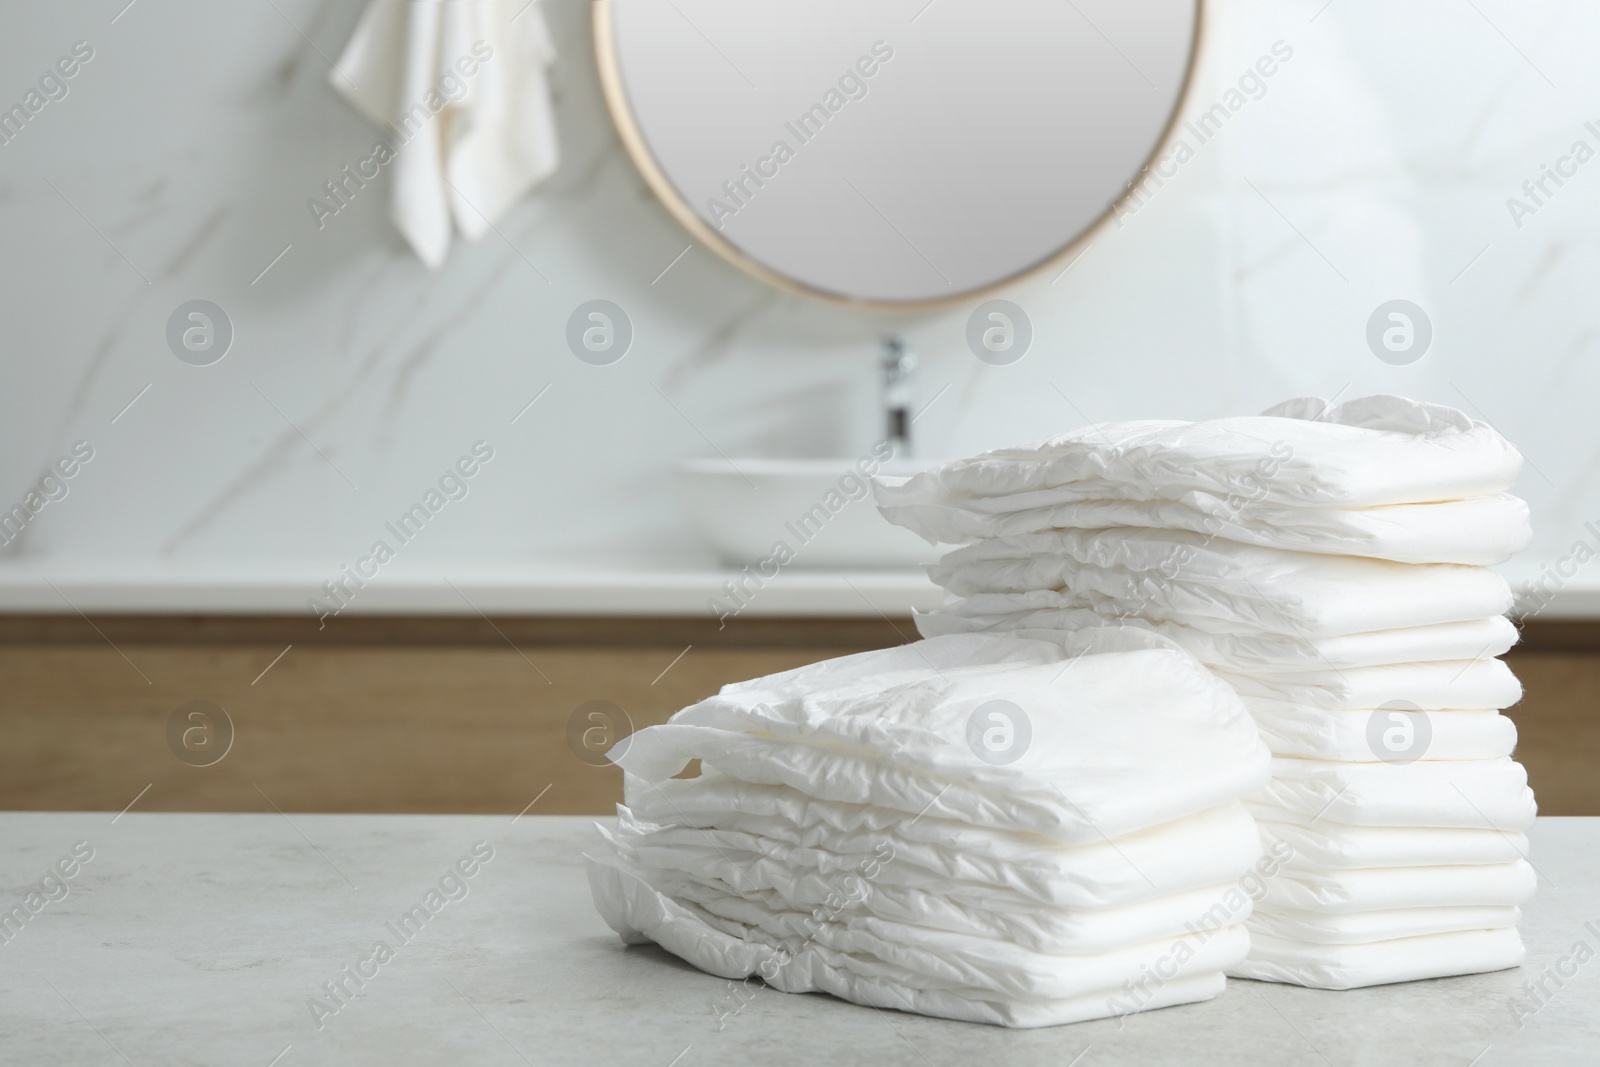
(429, 729)
(461, 721)
(1558, 729)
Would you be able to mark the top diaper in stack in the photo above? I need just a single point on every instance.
(985, 828)
(1329, 563)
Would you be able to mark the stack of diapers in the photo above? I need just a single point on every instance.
(1329, 563)
(986, 828)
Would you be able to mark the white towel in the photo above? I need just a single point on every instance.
(461, 87)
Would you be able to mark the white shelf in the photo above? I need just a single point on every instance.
(516, 587)
(511, 588)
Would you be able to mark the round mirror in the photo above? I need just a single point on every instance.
(893, 153)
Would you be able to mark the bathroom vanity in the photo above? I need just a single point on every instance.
(464, 696)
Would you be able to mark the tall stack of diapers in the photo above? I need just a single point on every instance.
(985, 828)
(1330, 564)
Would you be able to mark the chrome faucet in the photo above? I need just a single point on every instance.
(898, 363)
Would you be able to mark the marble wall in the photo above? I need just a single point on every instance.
(1375, 164)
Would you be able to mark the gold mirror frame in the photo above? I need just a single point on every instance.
(633, 140)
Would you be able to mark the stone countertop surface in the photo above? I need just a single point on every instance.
(556, 586)
(203, 939)
(574, 585)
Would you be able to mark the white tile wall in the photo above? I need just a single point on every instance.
(1376, 165)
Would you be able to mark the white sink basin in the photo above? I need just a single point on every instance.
(746, 509)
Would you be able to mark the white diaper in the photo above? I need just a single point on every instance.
(1405, 959)
(1358, 736)
(1481, 531)
(1473, 794)
(1123, 737)
(1369, 451)
(899, 914)
(1480, 683)
(1389, 888)
(1327, 843)
(1075, 987)
(1187, 577)
(1258, 653)
(1186, 874)
(1362, 927)
(1198, 850)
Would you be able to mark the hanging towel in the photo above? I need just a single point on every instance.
(461, 88)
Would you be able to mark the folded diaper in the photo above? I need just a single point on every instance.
(1244, 653)
(1154, 894)
(834, 948)
(1124, 731)
(1358, 736)
(1481, 531)
(1059, 931)
(1183, 576)
(1363, 927)
(1061, 988)
(1404, 959)
(1317, 841)
(1379, 477)
(1472, 794)
(852, 831)
(1366, 452)
(1471, 683)
(1388, 888)
(1188, 853)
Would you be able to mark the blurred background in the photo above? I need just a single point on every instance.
(1390, 157)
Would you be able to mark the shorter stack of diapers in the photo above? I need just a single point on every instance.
(1331, 565)
(985, 828)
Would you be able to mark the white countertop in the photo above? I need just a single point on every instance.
(576, 587)
(199, 939)
(583, 586)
